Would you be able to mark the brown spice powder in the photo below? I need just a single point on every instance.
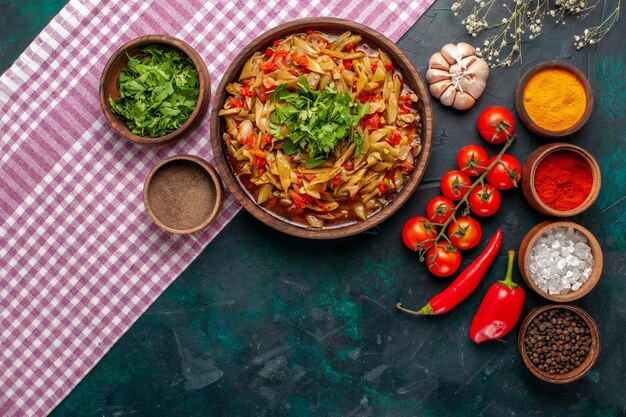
(182, 195)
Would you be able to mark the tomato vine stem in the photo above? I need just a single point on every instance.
(464, 201)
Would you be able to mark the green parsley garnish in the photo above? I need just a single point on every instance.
(158, 91)
(317, 120)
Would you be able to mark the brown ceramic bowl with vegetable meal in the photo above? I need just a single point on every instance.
(321, 128)
(154, 90)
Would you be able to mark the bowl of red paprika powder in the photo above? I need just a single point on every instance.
(561, 180)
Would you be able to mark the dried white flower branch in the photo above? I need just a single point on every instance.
(503, 47)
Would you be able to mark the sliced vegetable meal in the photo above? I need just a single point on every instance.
(321, 129)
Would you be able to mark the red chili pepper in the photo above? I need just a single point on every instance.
(464, 284)
(347, 63)
(388, 66)
(269, 52)
(500, 309)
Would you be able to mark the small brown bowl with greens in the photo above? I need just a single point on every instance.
(154, 90)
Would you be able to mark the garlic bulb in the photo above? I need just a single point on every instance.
(457, 76)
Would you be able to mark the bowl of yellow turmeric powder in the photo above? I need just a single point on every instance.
(554, 99)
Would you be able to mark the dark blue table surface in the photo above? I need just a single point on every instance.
(263, 324)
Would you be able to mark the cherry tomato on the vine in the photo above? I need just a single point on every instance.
(439, 209)
(418, 233)
(471, 159)
(506, 174)
(454, 185)
(443, 260)
(484, 200)
(465, 233)
(493, 124)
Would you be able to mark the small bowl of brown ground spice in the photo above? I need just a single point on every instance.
(559, 343)
(183, 194)
(553, 99)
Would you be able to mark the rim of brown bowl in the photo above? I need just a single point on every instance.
(528, 242)
(577, 373)
(411, 77)
(108, 87)
(530, 168)
(521, 110)
(215, 179)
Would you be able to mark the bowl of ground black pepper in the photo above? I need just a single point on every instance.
(559, 343)
(553, 99)
(561, 179)
(183, 194)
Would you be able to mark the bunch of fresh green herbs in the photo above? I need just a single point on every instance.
(317, 120)
(158, 90)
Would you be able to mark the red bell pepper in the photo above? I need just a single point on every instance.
(500, 309)
(464, 284)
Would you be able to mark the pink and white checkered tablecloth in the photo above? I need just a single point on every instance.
(80, 260)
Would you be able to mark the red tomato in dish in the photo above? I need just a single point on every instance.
(465, 233)
(418, 233)
(493, 124)
(439, 209)
(454, 185)
(443, 260)
(506, 174)
(471, 160)
(371, 122)
(484, 200)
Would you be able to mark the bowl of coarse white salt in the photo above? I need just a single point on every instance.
(560, 260)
